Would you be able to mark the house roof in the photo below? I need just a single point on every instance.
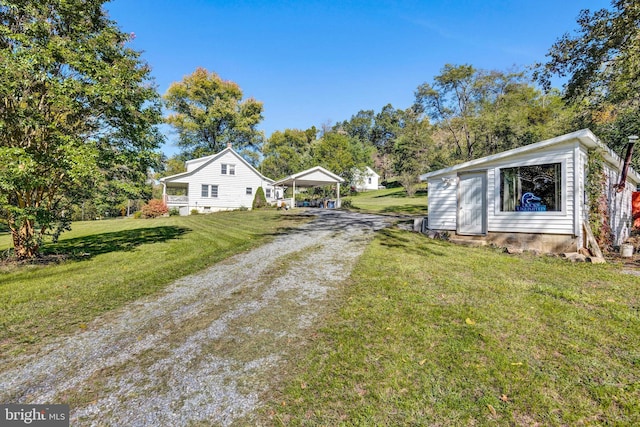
(314, 177)
(204, 161)
(584, 136)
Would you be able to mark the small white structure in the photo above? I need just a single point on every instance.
(223, 181)
(314, 177)
(532, 197)
(366, 179)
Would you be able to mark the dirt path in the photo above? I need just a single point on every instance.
(204, 351)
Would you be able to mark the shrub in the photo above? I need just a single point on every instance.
(154, 209)
(195, 211)
(137, 214)
(174, 212)
(259, 200)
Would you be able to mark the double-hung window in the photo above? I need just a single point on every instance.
(227, 169)
(249, 191)
(209, 190)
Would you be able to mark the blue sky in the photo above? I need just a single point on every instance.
(314, 62)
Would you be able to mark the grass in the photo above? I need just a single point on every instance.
(430, 333)
(391, 200)
(110, 263)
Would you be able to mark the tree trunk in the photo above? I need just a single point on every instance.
(24, 244)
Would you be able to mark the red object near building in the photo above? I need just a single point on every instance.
(635, 209)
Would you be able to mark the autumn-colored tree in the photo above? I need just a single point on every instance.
(209, 113)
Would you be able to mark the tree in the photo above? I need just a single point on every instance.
(287, 152)
(340, 154)
(413, 151)
(602, 61)
(78, 108)
(209, 114)
(479, 112)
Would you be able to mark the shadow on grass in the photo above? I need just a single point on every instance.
(406, 209)
(401, 194)
(398, 239)
(120, 241)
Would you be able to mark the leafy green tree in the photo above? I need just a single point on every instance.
(602, 61)
(479, 112)
(287, 152)
(78, 109)
(341, 154)
(209, 113)
(414, 148)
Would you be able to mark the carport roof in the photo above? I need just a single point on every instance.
(314, 177)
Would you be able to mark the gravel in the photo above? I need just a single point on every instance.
(204, 351)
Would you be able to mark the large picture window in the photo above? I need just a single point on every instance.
(535, 188)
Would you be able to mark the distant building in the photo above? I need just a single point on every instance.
(366, 179)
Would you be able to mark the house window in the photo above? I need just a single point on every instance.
(535, 188)
(206, 193)
(369, 180)
(267, 193)
(249, 191)
(227, 169)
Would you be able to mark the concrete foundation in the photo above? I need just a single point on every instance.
(544, 243)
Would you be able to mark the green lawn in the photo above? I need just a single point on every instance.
(431, 333)
(114, 262)
(391, 200)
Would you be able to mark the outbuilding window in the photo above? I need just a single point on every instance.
(536, 188)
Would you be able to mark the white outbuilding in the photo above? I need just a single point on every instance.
(532, 197)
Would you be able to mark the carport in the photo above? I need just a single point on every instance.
(314, 177)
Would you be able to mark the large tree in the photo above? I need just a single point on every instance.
(209, 113)
(287, 152)
(602, 62)
(77, 107)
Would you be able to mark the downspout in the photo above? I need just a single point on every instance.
(627, 159)
(578, 199)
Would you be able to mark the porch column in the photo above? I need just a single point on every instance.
(293, 195)
(338, 195)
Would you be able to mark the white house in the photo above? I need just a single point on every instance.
(223, 181)
(366, 179)
(533, 196)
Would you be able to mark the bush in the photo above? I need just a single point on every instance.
(174, 212)
(195, 211)
(154, 209)
(137, 214)
(259, 200)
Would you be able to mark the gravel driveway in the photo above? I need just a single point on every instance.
(204, 351)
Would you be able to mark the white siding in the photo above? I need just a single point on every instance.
(443, 203)
(231, 188)
(620, 212)
(534, 222)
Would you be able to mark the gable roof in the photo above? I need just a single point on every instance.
(207, 160)
(584, 136)
(314, 177)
